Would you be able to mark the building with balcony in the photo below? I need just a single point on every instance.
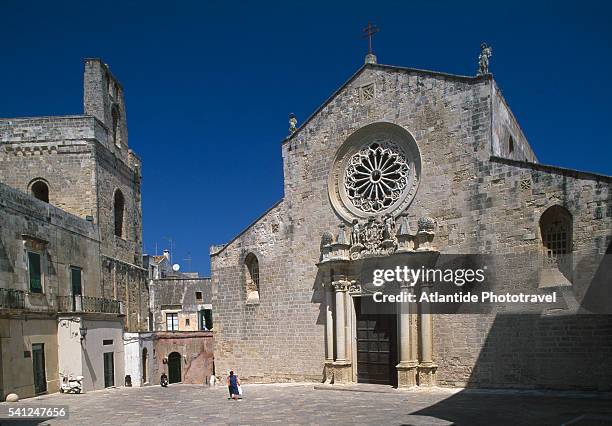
(71, 274)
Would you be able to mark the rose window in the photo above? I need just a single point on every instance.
(376, 176)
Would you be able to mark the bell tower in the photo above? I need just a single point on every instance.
(104, 99)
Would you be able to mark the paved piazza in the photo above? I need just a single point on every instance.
(302, 404)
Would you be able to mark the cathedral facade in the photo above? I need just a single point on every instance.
(409, 164)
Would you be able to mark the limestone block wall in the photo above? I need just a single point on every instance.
(57, 150)
(127, 282)
(63, 240)
(506, 127)
(113, 174)
(104, 98)
(531, 350)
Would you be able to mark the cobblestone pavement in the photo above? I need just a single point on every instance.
(302, 404)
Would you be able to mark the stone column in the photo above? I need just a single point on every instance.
(407, 367)
(329, 322)
(341, 364)
(427, 367)
(329, 333)
(340, 321)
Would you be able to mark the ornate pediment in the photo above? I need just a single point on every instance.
(377, 236)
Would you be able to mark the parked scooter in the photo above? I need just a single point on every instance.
(70, 384)
(163, 380)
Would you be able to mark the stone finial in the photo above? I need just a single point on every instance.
(425, 234)
(426, 224)
(341, 235)
(292, 123)
(326, 239)
(370, 58)
(483, 59)
(405, 239)
(404, 227)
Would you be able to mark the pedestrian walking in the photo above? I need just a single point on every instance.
(233, 383)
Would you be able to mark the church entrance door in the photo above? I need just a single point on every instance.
(376, 343)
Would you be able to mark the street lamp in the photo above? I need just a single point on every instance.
(83, 331)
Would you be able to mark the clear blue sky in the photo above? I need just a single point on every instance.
(209, 85)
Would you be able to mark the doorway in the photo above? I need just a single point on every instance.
(144, 365)
(174, 367)
(38, 364)
(376, 342)
(109, 370)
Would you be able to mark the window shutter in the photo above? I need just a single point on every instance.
(35, 272)
(208, 319)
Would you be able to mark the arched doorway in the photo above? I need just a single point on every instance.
(145, 362)
(174, 367)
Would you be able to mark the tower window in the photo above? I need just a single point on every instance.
(252, 278)
(116, 116)
(118, 209)
(510, 145)
(39, 189)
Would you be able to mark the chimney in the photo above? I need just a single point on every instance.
(167, 254)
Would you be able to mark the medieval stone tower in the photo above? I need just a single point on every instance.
(82, 165)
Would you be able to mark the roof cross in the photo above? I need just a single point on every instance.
(368, 32)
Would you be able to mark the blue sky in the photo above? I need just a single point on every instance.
(209, 85)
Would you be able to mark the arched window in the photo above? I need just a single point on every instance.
(252, 278)
(118, 209)
(510, 145)
(556, 234)
(39, 189)
(116, 116)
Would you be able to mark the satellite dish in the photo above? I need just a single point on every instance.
(176, 267)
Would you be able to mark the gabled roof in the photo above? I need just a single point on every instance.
(464, 78)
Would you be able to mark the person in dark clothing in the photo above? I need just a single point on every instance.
(232, 384)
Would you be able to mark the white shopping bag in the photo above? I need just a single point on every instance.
(239, 390)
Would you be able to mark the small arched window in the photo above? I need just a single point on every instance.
(556, 234)
(116, 116)
(510, 145)
(39, 189)
(118, 210)
(252, 278)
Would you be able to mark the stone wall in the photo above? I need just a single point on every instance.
(505, 127)
(481, 205)
(179, 295)
(127, 282)
(527, 350)
(57, 150)
(196, 350)
(62, 239)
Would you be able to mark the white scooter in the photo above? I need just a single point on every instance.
(69, 384)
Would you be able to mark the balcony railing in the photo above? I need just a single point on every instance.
(89, 304)
(12, 299)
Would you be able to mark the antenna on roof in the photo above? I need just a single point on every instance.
(188, 260)
(169, 239)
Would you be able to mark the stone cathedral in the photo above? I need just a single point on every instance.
(407, 165)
